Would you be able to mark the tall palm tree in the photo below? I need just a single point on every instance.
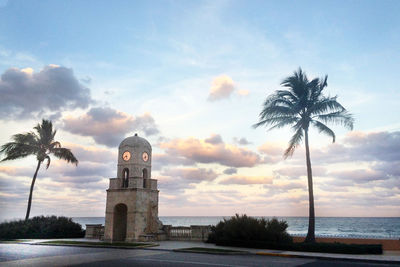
(41, 144)
(300, 105)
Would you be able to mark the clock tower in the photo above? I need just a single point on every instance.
(132, 197)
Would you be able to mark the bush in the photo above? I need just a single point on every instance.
(41, 227)
(244, 228)
(248, 232)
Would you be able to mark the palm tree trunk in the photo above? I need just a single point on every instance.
(30, 193)
(311, 217)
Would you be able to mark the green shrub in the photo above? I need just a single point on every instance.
(244, 228)
(249, 232)
(41, 227)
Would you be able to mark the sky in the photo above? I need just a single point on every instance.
(191, 78)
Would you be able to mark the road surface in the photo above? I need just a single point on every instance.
(39, 255)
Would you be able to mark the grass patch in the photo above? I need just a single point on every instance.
(211, 250)
(97, 244)
(10, 241)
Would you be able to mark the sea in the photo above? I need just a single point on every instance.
(350, 227)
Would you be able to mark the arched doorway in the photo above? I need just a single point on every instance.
(145, 182)
(119, 223)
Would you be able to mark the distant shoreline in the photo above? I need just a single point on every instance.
(326, 227)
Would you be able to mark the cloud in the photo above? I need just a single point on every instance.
(203, 152)
(108, 126)
(92, 153)
(294, 172)
(361, 146)
(384, 146)
(241, 141)
(26, 94)
(174, 182)
(60, 170)
(243, 92)
(272, 152)
(230, 171)
(222, 87)
(16, 171)
(246, 180)
(214, 139)
(160, 160)
(286, 186)
(191, 174)
(360, 175)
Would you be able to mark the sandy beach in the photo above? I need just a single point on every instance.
(387, 244)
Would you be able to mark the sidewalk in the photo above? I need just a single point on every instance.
(387, 257)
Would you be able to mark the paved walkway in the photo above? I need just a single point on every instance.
(388, 256)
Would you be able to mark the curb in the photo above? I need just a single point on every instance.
(212, 252)
(275, 254)
(326, 258)
(95, 246)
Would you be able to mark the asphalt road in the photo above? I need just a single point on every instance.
(38, 255)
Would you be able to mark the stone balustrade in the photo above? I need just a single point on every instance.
(187, 233)
(176, 233)
(94, 231)
(116, 183)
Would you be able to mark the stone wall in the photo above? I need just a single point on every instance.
(94, 231)
(169, 232)
(141, 214)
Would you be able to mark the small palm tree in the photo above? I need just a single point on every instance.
(302, 104)
(40, 144)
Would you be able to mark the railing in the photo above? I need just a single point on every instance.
(194, 232)
(94, 231)
(351, 236)
(180, 232)
(134, 182)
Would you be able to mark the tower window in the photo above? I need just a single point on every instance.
(125, 178)
(145, 182)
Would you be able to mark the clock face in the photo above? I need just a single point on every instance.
(126, 156)
(145, 156)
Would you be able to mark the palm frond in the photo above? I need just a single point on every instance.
(316, 90)
(340, 117)
(65, 154)
(48, 161)
(274, 111)
(280, 101)
(14, 150)
(26, 138)
(282, 122)
(322, 128)
(294, 142)
(285, 94)
(297, 85)
(323, 82)
(54, 145)
(45, 131)
(328, 104)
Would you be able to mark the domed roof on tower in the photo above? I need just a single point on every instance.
(135, 141)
